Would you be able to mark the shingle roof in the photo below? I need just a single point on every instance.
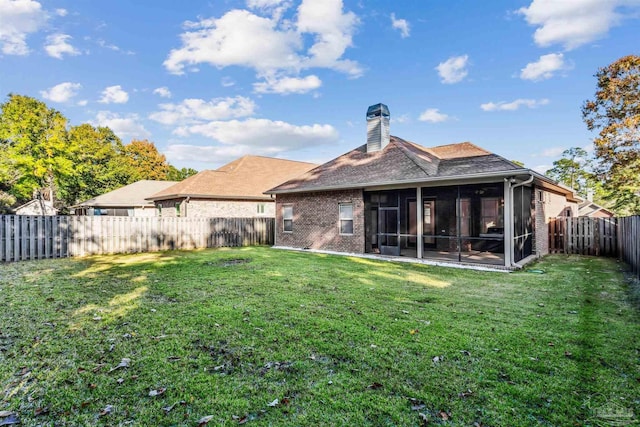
(130, 195)
(245, 178)
(399, 161)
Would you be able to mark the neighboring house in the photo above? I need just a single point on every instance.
(36, 207)
(129, 200)
(593, 210)
(236, 190)
(389, 196)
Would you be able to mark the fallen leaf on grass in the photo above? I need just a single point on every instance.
(157, 392)
(124, 363)
(41, 411)
(98, 367)
(374, 386)
(240, 420)
(437, 359)
(424, 418)
(120, 380)
(444, 415)
(465, 353)
(567, 354)
(173, 358)
(416, 404)
(169, 408)
(204, 420)
(92, 386)
(274, 403)
(414, 331)
(106, 411)
(550, 344)
(465, 393)
(9, 420)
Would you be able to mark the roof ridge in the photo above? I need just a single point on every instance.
(411, 156)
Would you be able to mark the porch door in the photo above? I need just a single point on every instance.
(412, 220)
(429, 223)
(388, 231)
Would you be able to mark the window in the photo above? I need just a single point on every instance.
(346, 218)
(260, 208)
(178, 209)
(287, 218)
(159, 206)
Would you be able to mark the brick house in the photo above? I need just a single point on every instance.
(235, 190)
(124, 201)
(454, 202)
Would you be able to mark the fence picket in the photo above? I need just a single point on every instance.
(38, 237)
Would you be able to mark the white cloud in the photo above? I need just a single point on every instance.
(18, 19)
(333, 31)
(62, 92)
(513, 105)
(552, 152)
(261, 4)
(115, 95)
(262, 135)
(227, 81)
(125, 126)
(57, 45)
(191, 111)
(544, 68)
(231, 40)
(62, 12)
(572, 23)
(102, 43)
(454, 69)
(212, 154)
(287, 85)
(83, 102)
(163, 92)
(433, 115)
(401, 25)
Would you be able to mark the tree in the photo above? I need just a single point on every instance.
(96, 153)
(573, 170)
(143, 161)
(176, 174)
(33, 144)
(615, 114)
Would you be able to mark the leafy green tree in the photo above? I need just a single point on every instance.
(33, 142)
(143, 161)
(176, 174)
(575, 170)
(615, 114)
(96, 153)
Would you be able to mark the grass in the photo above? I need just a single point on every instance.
(336, 340)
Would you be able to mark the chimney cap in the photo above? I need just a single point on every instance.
(378, 110)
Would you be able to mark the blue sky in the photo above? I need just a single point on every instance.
(211, 81)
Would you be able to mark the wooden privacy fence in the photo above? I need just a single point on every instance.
(629, 242)
(584, 236)
(25, 237)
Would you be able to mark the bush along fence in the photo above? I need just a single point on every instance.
(35, 237)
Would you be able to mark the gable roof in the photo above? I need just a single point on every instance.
(132, 195)
(398, 163)
(589, 208)
(245, 178)
(40, 204)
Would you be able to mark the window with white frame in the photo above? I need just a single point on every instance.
(346, 218)
(260, 208)
(287, 218)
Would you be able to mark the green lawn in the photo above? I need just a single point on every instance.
(271, 337)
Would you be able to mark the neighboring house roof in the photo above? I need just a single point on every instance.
(245, 178)
(132, 195)
(38, 205)
(588, 208)
(401, 162)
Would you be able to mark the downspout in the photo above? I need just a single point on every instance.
(511, 234)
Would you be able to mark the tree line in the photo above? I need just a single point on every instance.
(612, 172)
(42, 156)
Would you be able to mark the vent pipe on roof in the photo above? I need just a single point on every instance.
(377, 127)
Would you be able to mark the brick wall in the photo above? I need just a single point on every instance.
(316, 223)
(207, 208)
(552, 205)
